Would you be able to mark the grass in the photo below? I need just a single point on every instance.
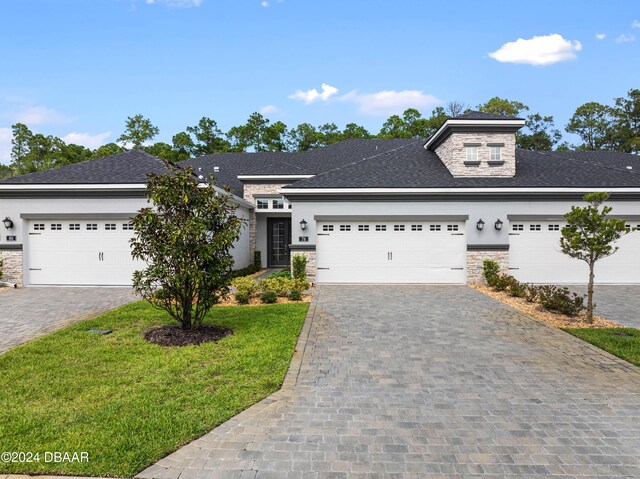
(621, 342)
(129, 403)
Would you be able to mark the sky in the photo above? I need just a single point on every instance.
(77, 68)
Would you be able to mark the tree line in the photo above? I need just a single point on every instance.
(599, 127)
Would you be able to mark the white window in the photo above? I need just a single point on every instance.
(554, 227)
(327, 227)
(92, 226)
(452, 227)
(74, 226)
(534, 227)
(278, 204)
(416, 227)
(56, 226)
(345, 227)
(381, 227)
(472, 153)
(496, 153)
(435, 227)
(38, 227)
(262, 204)
(398, 227)
(127, 226)
(517, 227)
(363, 227)
(110, 226)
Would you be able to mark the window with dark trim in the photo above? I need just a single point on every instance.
(127, 226)
(38, 227)
(554, 227)
(416, 227)
(534, 228)
(74, 226)
(435, 227)
(381, 227)
(56, 226)
(398, 227)
(363, 227)
(262, 204)
(517, 227)
(327, 227)
(110, 226)
(92, 226)
(345, 227)
(452, 227)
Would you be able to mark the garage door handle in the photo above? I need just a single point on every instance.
(324, 234)
(457, 234)
(514, 268)
(324, 268)
(35, 234)
(459, 269)
(514, 234)
(35, 269)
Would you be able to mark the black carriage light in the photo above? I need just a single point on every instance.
(498, 224)
(8, 223)
(480, 225)
(303, 225)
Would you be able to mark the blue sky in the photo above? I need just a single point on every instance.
(78, 68)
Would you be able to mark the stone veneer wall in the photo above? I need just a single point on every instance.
(311, 262)
(12, 266)
(250, 190)
(475, 259)
(453, 154)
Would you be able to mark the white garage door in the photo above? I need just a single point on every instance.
(535, 257)
(80, 252)
(391, 252)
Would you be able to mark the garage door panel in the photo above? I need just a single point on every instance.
(86, 252)
(535, 256)
(390, 252)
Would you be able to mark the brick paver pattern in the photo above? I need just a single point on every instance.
(27, 313)
(619, 303)
(429, 381)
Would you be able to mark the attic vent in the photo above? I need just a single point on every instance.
(216, 169)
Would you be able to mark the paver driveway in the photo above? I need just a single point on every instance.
(619, 303)
(30, 312)
(430, 381)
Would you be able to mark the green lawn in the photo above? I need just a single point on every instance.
(129, 403)
(621, 342)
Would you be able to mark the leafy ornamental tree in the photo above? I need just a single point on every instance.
(590, 236)
(138, 130)
(185, 238)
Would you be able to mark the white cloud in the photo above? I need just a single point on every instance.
(539, 50)
(5, 145)
(635, 24)
(269, 109)
(86, 139)
(39, 115)
(176, 3)
(265, 4)
(600, 36)
(313, 95)
(389, 102)
(624, 38)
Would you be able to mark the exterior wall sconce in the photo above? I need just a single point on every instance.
(480, 225)
(7, 223)
(303, 225)
(498, 224)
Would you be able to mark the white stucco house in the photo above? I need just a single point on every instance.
(362, 211)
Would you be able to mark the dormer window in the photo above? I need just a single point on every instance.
(496, 153)
(472, 154)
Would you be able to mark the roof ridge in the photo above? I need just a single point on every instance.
(324, 173)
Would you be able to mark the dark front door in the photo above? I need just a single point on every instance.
(279, 231)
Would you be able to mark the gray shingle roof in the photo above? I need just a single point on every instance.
(124, 168)
(411, 166)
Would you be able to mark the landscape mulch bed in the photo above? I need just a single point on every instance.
(176, 336)
(231, 301)
(556, 320)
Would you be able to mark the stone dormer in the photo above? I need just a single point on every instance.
(477, 144)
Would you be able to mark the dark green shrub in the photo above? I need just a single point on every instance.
(531, 293)
(285, 273)
(490, 270)
(299, 266)
(516, 288)
(257, 260)
(252, 268)
(295, 295)
(560, 300)
(501, 282)
(269, 297)
(242, 298)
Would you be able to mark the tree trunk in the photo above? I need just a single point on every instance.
(590, 295)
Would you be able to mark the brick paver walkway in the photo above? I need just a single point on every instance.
(31, 312)
(619, 303)
(429, 381)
